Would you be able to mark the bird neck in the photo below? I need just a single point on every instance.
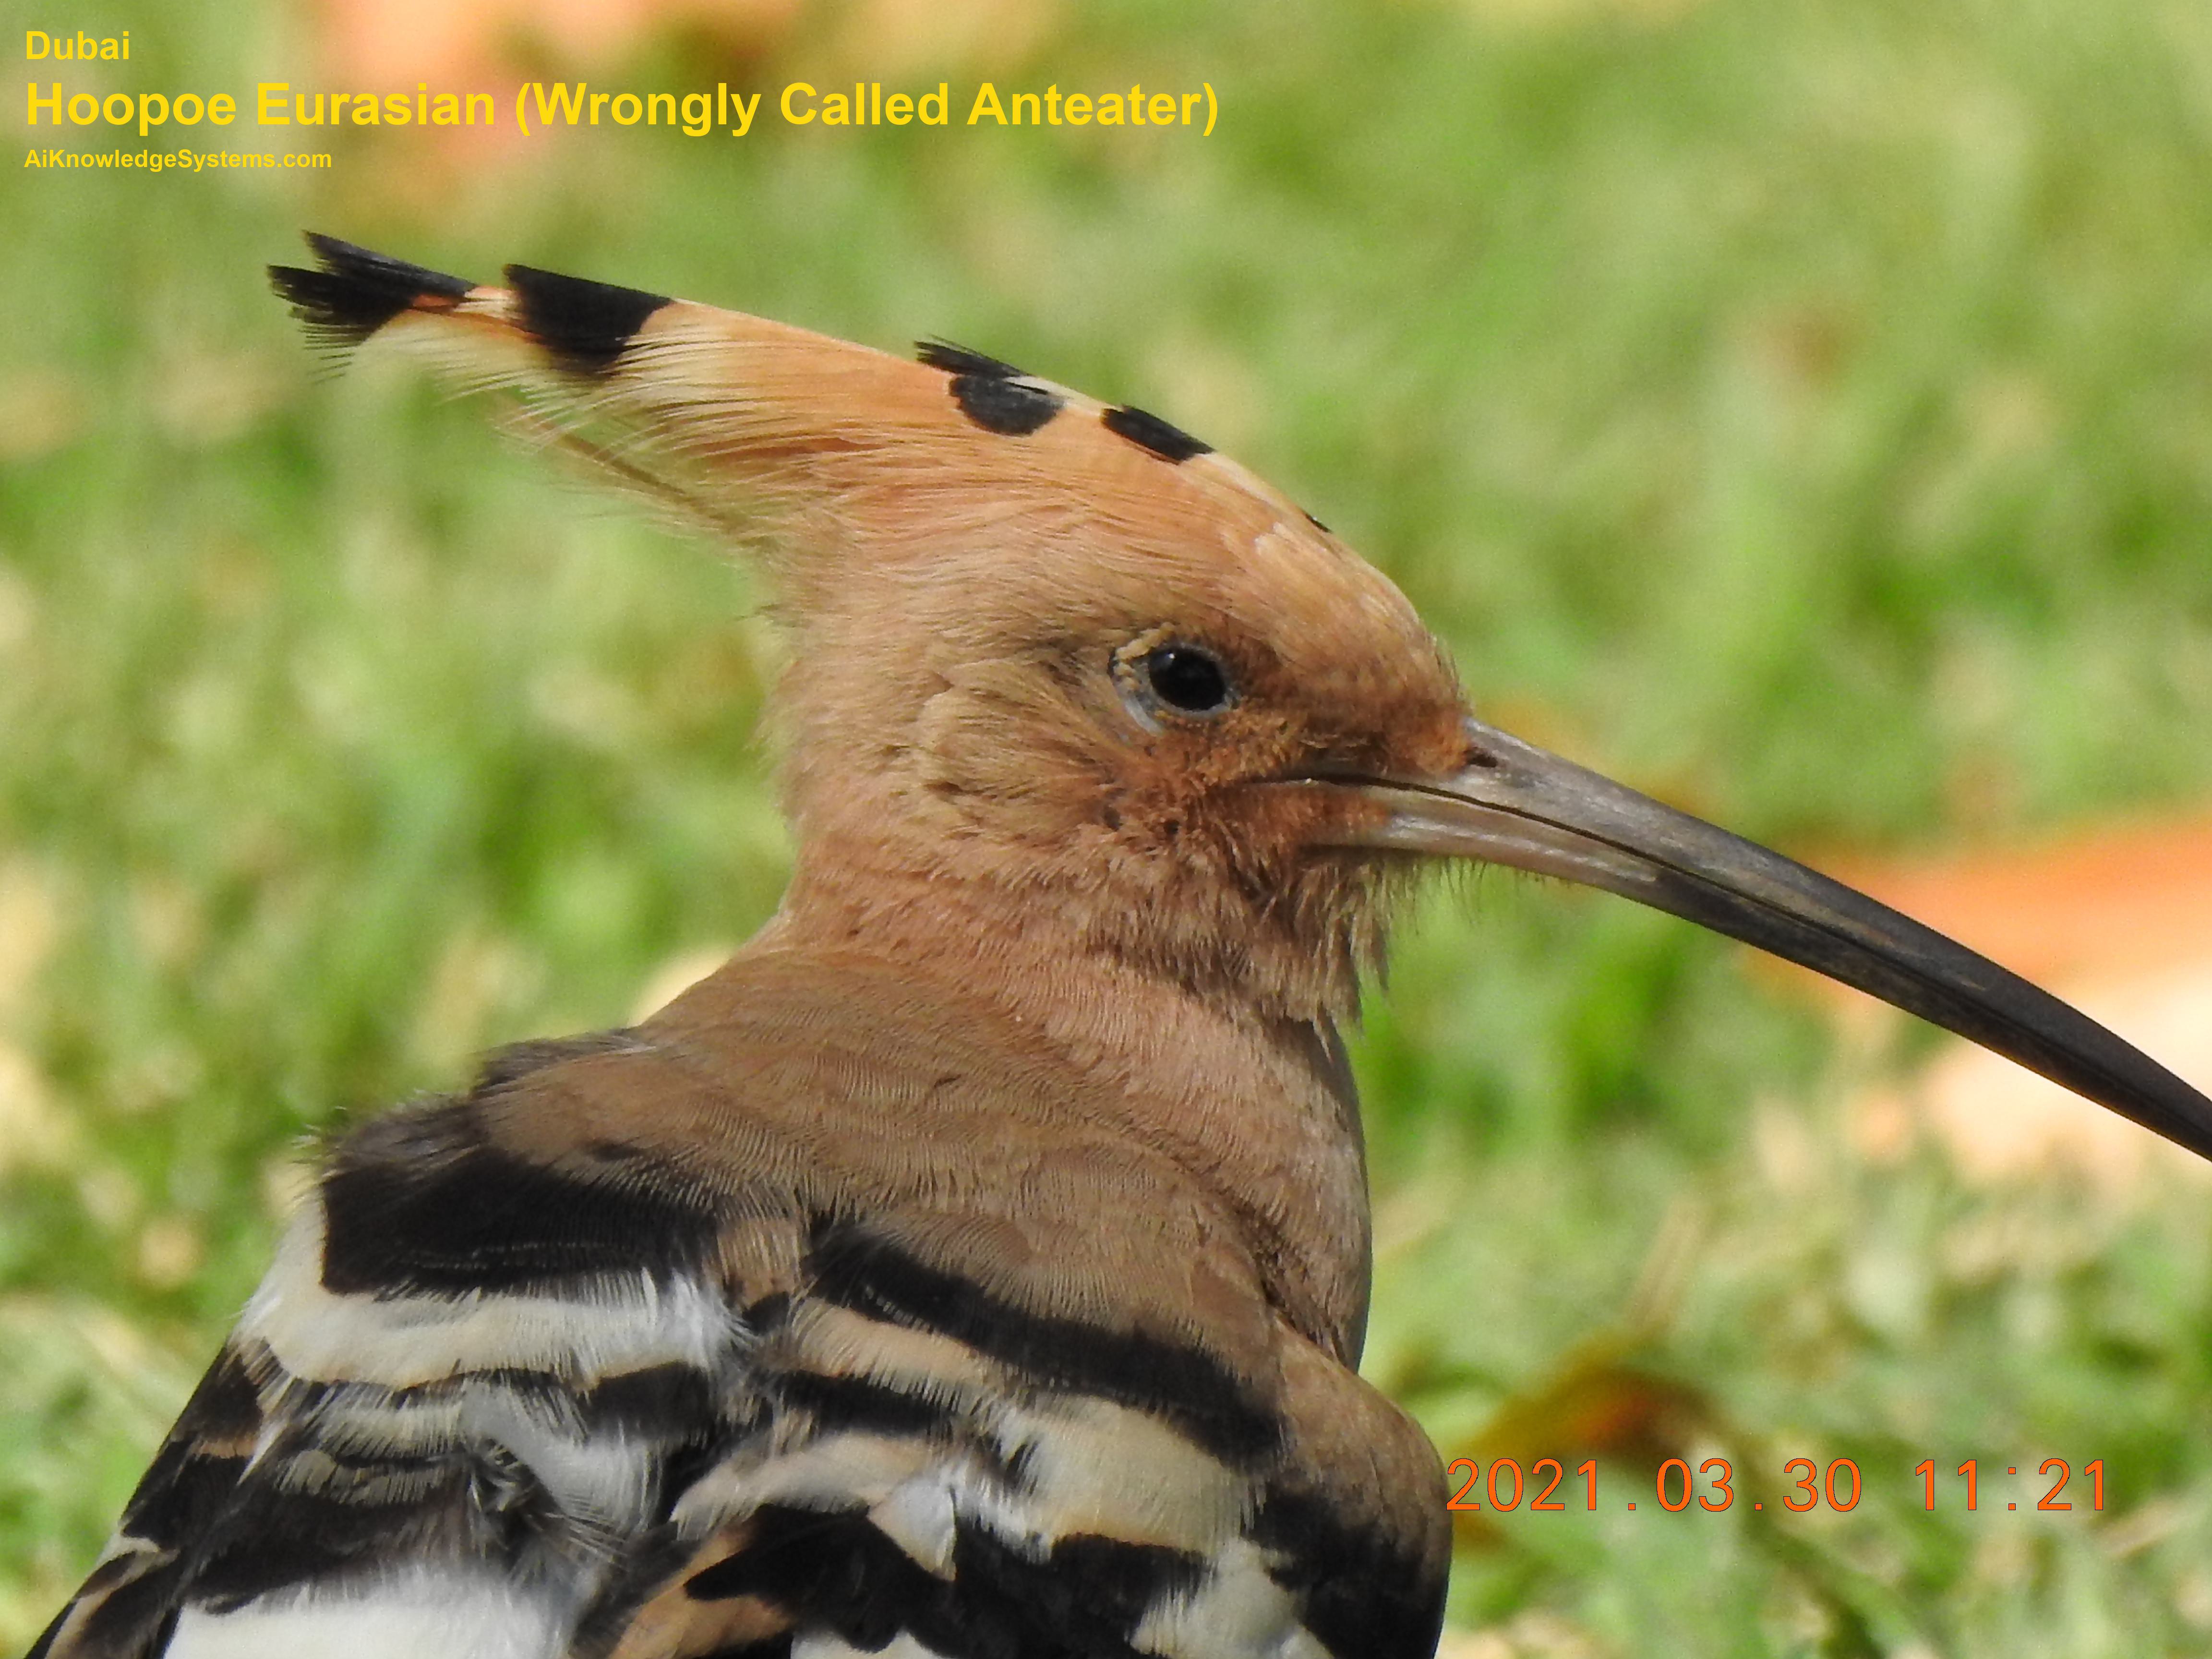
(1257, 1104)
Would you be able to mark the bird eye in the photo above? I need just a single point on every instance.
(1160, 672)
(1187, 678)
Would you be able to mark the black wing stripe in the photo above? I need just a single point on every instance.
(1182, 1385)
(835, 1571)
(1359, 1593)
(421, 1202)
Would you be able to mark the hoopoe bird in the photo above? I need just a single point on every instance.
(975, 1267)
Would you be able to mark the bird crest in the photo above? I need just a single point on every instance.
(1042, 648)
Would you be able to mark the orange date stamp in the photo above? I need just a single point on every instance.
(1806, 1485)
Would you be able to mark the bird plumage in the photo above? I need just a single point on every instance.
(977, 1266)
(674, 1341)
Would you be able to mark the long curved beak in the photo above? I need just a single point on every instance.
(1524, 806)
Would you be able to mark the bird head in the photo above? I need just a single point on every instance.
(1059, 663)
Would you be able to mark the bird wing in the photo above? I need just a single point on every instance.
(683, 1342)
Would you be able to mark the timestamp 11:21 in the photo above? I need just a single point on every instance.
(2050, 1500)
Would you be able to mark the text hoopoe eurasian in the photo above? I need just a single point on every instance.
(977, 1265)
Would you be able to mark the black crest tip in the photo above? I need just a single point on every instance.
(959, 360)
(585, 325)
(355, 291)
(1149, 432)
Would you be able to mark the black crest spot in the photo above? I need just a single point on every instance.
(355, 292)
(585, 325)
(994, 395)
(1148, 431)
(1013, 409)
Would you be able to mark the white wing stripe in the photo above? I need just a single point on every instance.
(620, 1324)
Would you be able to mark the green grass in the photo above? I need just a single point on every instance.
(1802, 410)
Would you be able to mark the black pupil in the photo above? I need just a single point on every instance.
(1185, 678)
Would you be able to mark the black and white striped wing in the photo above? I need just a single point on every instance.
(505, 1401)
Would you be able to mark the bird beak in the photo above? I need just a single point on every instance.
(1521, 806)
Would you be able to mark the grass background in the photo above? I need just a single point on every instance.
(1804, 410)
